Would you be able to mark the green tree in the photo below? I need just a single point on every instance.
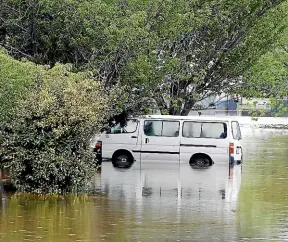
(268, 77)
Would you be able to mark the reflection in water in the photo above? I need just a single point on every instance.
(166, 203)
(193, 203)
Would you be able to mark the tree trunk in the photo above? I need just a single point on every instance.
(187, 107)
(173, 111)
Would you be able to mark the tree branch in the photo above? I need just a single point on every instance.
(17, 50)
(270, 6)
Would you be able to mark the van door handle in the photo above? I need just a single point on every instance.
(146, 140)
(134, 137)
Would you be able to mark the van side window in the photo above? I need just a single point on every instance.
(214, 130)
(161, 128)
(192, 130)
(236, 132)
(170, 129)
(130, 127)
(204, 130)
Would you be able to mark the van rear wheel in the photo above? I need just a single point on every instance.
(200, 162)
(122, 160)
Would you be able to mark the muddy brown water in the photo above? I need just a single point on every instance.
(166, 203)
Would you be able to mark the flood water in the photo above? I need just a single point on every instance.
(166, 203)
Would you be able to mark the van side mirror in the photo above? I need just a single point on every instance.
(108, 130)
(105, 129)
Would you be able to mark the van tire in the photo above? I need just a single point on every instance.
(200, 161)
(122, 159)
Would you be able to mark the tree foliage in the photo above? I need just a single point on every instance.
(178, 52)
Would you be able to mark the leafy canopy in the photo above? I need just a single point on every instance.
(176, 52)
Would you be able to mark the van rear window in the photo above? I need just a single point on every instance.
(236, 130)
(209, 130)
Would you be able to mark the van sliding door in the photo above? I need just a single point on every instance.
(160, 141)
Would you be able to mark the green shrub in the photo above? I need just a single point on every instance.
(48, 138)
(16, 77)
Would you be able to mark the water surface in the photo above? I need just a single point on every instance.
(165, 203)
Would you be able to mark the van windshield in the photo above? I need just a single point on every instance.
(210, 130)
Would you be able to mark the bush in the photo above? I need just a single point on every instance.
(48, 139)
(16, 77)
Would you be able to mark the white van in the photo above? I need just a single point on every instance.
(195, 140)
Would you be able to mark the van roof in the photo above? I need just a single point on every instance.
(210, 118)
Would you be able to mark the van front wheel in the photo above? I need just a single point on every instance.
(122, 160)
